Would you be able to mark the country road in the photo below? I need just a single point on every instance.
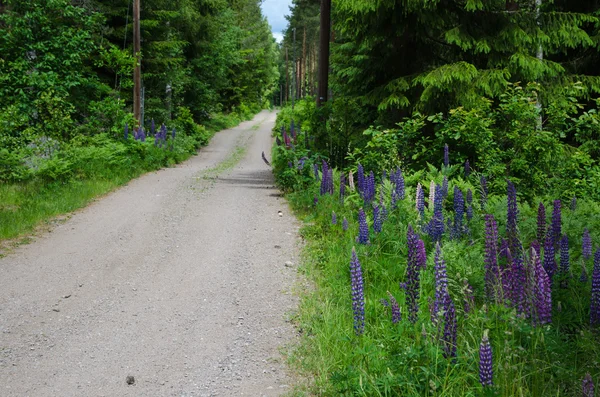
(182, 280)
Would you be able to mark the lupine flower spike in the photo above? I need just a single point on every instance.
(587, 386)
(467, 169)
(420, 200)
(595, 303)
(358, 294)
(441, 285)
(363, 228)
(486, 371)
(556, 223)
(345, 224)
(542, 294)
(586, 245)
(413, 282)
(396, 315)
(446, 156)
(333, 218)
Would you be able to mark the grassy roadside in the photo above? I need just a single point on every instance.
(26, 206)
(408, 358)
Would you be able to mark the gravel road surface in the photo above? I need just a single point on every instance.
(178, 283)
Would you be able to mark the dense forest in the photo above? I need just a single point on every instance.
(66, 70)
(504, 83)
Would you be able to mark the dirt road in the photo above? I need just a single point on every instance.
(181, 280)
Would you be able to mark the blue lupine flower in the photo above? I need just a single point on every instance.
(358, 294)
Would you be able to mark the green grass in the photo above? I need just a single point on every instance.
(406, 359)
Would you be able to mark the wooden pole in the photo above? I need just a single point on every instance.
(324, 34)
(137, 71)
(287, 77)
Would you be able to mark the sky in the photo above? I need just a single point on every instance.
(275, 11)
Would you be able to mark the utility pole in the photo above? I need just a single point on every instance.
(137, 71)
(294, 77)
(287, 77)
(324, 36)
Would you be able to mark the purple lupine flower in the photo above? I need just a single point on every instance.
(342, 187)
(358, 294)
(142, 134)
(315, 201)
(345, 224)
(541, 222)
(290, 164)
(450, 328)
(542, 293)
(333, 218)
(469, 212)
(301, 163)
(444, 188)
(396, 315)
(586, 245)
(564, 256)
(324, 189)
(484, 193)
(377, 219)
(422, 255)
(549, 256)
(126, 131)
(573, 203)
(360, 175)
(492, 271)
(459, 211)
(469, 298)
(400, 192)
(469, 196)
(363, 228)
(173, 132)
(556, 223)
(413, 282)
(420, 199)
(286, 138)
(512, 214)
(441, 285)
(316, 171)
(467, 169)
(595, 302)
(394, 200)
(369, 191)
(446, 156)
(486, 371)
(436, 225)
(587, 386)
